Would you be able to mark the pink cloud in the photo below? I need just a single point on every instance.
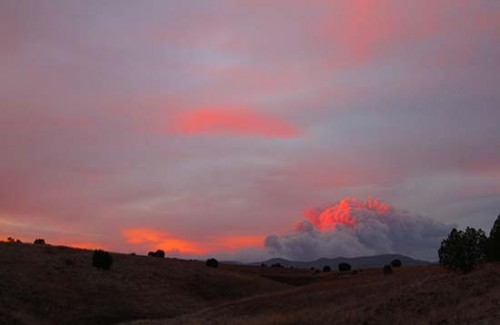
(232, 120)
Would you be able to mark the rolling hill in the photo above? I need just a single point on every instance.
(361, 262)
(41, 284)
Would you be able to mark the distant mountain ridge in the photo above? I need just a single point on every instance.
(360, 262)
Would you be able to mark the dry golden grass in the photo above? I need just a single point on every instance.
(57, 285)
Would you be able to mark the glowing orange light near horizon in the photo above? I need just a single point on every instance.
(162, 240)
(183, 246)
(141, 235)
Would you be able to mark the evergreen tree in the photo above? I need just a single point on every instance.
(493, 248)
(463, 250)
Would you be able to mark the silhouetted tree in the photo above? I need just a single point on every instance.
(327, 268)
(463, 250)
(39, 241)
(344, 267)
(212, 262)
(263, 265)
(158, 253)
(396, 263)
(11, 240)
(276, 265)
(102, 259)
(493, 245)
(387, 269)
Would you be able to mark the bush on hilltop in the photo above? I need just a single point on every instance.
(344, 267)
(102, 259)
(212, 262)
(39, 241)
(396, 263)
(158, 253)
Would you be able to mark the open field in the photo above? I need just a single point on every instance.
(58, 285)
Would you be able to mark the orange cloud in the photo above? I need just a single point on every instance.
(183, 246)
(162, 240)
(342, 212)
(232, 120)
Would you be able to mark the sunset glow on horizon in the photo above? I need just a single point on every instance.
(205, 128)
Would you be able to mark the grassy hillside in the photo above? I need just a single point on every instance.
(58, 285)
(413, 295)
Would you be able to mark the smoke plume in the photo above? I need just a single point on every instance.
(354, 227)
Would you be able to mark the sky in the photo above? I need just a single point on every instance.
(248, 129)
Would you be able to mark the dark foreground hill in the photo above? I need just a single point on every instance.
(361, 262)
(58, 285)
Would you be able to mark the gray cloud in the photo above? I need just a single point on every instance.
(355, 228)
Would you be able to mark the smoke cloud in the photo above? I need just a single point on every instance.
(353, 227)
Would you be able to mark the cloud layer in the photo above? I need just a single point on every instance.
(353, 227)
(218, 119)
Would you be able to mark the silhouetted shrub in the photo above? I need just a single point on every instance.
(344, 267)
(327, 268)
(212, 262)
(396, 263)
(387, 269)
(493, 245)
(463, 250)
(263, 265)
(276, 265)
(158, 253)
(39, 241)
(13, 240)
(102, 259)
